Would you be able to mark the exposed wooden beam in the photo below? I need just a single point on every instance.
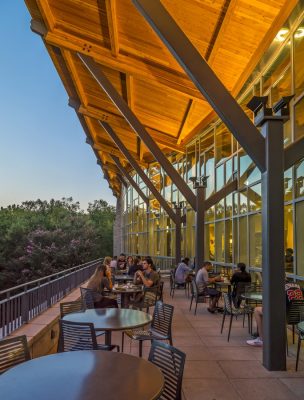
(135, 124)
(182, 129)
(112, 25)
(130, 94)
(204, 78)
(138, 68)
(46, 13)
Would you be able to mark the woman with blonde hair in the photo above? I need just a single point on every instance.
(107, 262)
(98, 282)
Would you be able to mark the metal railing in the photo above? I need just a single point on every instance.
(21, 303)
(164, 263)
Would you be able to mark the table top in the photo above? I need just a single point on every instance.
(83, 375)
(223, 283)
(255, 296)
(111, 319)
(127, 288)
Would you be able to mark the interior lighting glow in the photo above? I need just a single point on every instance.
(299, 33)
(281, 35)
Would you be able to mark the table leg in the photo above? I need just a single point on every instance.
(108, 338)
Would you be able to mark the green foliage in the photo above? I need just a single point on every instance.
(39, 238)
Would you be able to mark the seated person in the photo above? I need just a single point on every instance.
(121, 262)
(135, 267)
(148, 277)
(182, 270)
(238, 280)
(203, 280)
(98, 282)
(293, 292)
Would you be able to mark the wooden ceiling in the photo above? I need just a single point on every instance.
(231, 34)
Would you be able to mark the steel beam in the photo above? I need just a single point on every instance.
(293, 153)
(137, 168)
(130, 179)
(136, 125)
(274, 314)
(204, 78)
(225, 191)
(199, 227)
(178, 235)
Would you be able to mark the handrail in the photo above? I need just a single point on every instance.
(32, 298)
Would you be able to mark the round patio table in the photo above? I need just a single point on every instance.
(83, 375)
(253, 296)
(111, 319)
(123, 278)
(125, 290)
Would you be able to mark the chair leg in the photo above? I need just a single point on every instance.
(122, 341)
(286, 340)
(298, 351)
(230, 324)
(293, 334)
(223, 321)
(140, 348)
(243, 320)
(191, 303)
(195, 308)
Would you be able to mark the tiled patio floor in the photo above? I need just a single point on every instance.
(218, 370)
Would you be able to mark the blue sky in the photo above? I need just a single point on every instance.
(42, 146)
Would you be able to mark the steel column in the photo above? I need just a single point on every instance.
(274, 315)
(137, 168)
(130, 179)
(199, 227)
(178, 235)
(136, 125)
(204, 78)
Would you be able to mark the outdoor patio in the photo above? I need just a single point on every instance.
(218, 370)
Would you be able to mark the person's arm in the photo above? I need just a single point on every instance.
(145, 281)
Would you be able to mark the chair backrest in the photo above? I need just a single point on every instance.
(194, 288)
(71, 307)
(228, 305)
(87, 296)
(162, 318)
(172, 278)
(13, 351)
(294, 311)
(76, 336)
(171, 362)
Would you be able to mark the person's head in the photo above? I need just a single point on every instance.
(115, 258)
(137, 260)
(241, 267)
(122, 256)
(207, 265)
(100, 272)
(186, 260)
(107, 260)
(130, 260)
(147, 263)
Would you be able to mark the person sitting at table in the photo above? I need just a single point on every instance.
(113, 263)
(98, 282)
(135, 267)
(238, 280)
(293, 292)
(203, 280)
(130, 262)
(182, 271)
(121, 262)
(148, 277)
(107, 262)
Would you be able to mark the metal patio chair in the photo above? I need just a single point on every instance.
(13, 351)
(198, 297)
(69, 307)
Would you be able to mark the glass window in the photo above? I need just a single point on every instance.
(288, 238)
(229, 205)
(299, 59)
(243, 202)
(243, 248)
(191, 166)
(229, 171)
(219, 210)
(299, 237)
(249, 173)
(222, 143)
(209, 160)
(205, 142)
(255, 240)
(209, 241)
(228, 241)
(219, 177)
(219, 241)
(235, 203)
(288, 185)
(209, 214)
(299, 119)
(254, 197)
(299, 179)
(235, 240)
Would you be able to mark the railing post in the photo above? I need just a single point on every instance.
(25, 306)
